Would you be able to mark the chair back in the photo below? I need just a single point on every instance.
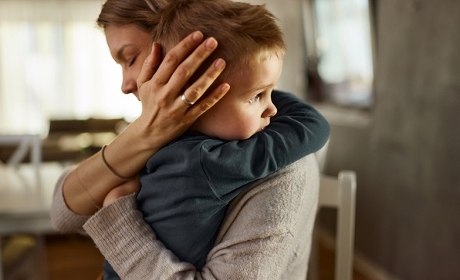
(27, 143)
(340, 193)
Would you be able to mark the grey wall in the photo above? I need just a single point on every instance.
(408, 158)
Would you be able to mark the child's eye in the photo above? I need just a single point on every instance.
(255, 98)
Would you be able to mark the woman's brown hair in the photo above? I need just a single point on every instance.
(123, 12)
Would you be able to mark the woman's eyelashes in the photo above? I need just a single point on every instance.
(132, 61)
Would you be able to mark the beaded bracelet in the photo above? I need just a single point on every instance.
(110, 169)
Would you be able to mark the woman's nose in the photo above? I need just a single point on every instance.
(129, 84)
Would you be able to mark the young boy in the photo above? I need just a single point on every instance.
(187, 185)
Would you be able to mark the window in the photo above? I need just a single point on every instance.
(55, 63)
(340, 52)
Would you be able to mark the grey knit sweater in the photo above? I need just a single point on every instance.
(266, 233)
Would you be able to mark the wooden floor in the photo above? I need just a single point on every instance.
(326, 265)
(74, 257)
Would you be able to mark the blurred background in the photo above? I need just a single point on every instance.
(385, 73)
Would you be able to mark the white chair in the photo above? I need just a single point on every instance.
(340, 193)
(25, 143)
(22, 255)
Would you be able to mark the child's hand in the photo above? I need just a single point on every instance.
(124, 189)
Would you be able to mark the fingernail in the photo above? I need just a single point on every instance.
(211, 43)
(220, 64)
(197, 36)
(225, 87)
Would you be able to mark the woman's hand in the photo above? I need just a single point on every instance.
(127, 188)
(164, 115)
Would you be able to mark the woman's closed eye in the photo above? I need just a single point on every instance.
(132, 61)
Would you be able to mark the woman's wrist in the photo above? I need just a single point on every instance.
(109, 167)
(129, 151)
(87, 186)
(145, 135)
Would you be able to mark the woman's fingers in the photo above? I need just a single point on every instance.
(164, 112)
(206, 102)
(124, 189)
(150, 65)
(182, 61)
(194, 92)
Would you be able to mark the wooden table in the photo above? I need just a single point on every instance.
(25, 202)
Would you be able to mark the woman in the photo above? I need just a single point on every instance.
(136, 254)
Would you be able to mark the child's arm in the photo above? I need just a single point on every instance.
(296, 131)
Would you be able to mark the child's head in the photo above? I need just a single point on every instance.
(252, 45)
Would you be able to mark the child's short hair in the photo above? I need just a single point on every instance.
(243, 31)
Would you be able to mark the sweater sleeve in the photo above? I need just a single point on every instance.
(295, 132)
(266, 233)
(62, 218)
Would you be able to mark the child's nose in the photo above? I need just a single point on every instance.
(271, 110)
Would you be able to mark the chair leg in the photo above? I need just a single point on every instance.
(345, 226)
(24, 257)
(313, 266)
(39, 260)
(1, 259)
